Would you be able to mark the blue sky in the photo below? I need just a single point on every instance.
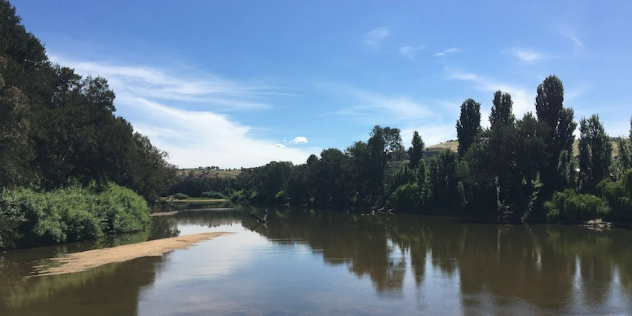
(242, 83)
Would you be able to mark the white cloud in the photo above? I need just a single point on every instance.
(376, 36)
(431, 134)
(212, 91)
(449, 51)
(522, 100)
(526, 54)
(299, 140)
(159, 105)
(409, 51)
(396, 109)
(194, 138)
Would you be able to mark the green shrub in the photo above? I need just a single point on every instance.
(407, 197)
(618, 195)
(29, 218)
(180, 196)
(571, 206)
(213, 195)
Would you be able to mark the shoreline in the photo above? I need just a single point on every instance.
(81, 261)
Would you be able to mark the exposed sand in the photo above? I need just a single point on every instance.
(80, 261)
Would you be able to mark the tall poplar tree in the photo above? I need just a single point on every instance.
(501, 110)
(595, 153)
(468, 126)
(416, 151)
(560, 122)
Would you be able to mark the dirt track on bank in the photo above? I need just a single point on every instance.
(80, 261)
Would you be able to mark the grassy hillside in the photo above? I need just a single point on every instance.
(453, 145)
(208, 173)
(436, 149)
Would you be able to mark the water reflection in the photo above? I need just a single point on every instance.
(290, 266)
(538, 267)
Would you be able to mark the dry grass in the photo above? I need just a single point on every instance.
(204, 173)
(454, 146)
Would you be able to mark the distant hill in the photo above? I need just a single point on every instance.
(454, 145)
(207, 172)
(434, 150)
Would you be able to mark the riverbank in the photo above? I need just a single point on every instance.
(80, 261)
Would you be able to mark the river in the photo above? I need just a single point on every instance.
(306, 262)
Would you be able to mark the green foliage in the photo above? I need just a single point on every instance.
(213, 195)
(416, 151)
(618, 195)
(469, 125)
(509, 158)
(502, 110)
(58, 128)
(623, 161)
(559, 137)
(444, 181)
(180, 196)
(407, 197)
(595, 153)
(29, 218)
(569, 206)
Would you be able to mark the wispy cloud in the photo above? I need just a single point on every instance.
(571, 35)
(299, 140)
(409, 51)
(166, 108)
(526, 54)
(387, 109)
(210, 91)
(375, 37)
(522, 100)
(448, 51)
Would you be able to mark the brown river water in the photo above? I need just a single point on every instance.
(305, 262)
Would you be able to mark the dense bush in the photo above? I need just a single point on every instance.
(568, 206)
(180, 196)
(407, 197)
(213, 195)
(619, 197)
(29, 218)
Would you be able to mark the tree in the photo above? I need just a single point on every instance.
(416, 151)
(15, 145)
(329, 179)
(501, 110)
(559, 120)
(595, 153)
(468, 126)
(509, 157)
(623, 160)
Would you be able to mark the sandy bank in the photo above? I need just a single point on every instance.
(80, 261)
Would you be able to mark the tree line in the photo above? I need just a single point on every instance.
(518, 169)
(61, 142)
(58, 128)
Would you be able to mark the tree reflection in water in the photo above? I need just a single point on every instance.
(551, 267)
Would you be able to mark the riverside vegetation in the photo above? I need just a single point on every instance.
(70, 169)
(516, 170)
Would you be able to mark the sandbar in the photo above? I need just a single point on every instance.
(80, 261)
